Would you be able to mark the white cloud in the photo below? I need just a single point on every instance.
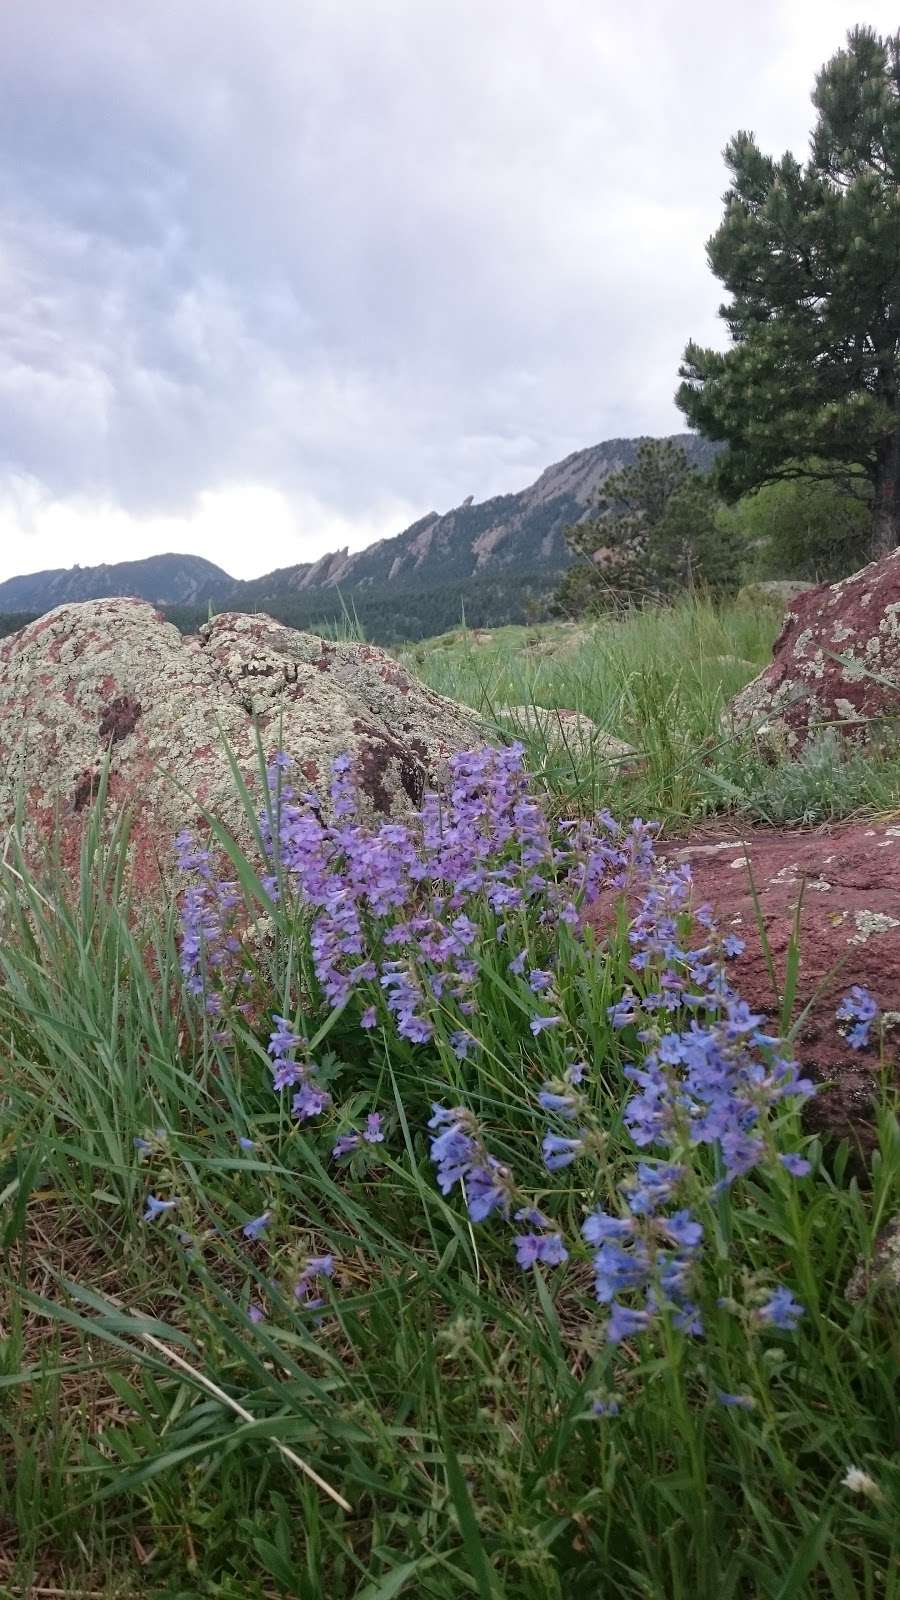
(245, 528)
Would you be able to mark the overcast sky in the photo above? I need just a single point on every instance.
(281, 275)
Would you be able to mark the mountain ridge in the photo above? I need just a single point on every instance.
(505, 535)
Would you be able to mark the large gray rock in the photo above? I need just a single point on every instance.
(111, 676)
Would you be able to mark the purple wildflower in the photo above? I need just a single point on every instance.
(546, 1248)
(309, 1101)
(155, 1208)
(486, 1190)
(682, 1228)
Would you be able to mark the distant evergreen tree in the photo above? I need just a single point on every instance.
(656, 529)
(810, 256)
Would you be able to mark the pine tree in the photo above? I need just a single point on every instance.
(810, 255)
(655, 529)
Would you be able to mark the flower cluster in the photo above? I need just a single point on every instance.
(647, 1253)
(403, 910)
(459, 1154)
(406, 918)
(306, 1289)
(288, 1072)
(860, 1008)
(209, 948)
(355, 1139)
(707, 1074)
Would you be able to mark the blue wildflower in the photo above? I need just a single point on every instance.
(743, 1402)
(600, 1226)
(623, 1322)
(256, 1227)
(861, 1008)
(858, 1005)
(485, 1190)
(539, 980)
(562, 1105)
(155, 1208)
(796, 1165)
(309, 1101)
(651, 1187)
(558, 1152)
(782, 1311)
(624, 1012)
(619, 1270)
(538, 1024)
(682, 1227)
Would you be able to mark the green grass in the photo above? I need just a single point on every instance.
(440, 1393)
(661, 680)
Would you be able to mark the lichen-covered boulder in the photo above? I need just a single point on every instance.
(111, 677)
(835, 662)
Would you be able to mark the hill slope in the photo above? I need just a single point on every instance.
(495, 558)
(164, 580)
(522, 531)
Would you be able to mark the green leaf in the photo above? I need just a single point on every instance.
(808, 1555)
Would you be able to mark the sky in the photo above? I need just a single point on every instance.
(279, 276)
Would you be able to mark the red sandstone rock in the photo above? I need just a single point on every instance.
(111, 677)
(836, 661)
(849, 933)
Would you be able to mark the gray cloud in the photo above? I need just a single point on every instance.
(368, 257)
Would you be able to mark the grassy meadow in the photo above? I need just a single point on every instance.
(256, 1347)
(661, 680)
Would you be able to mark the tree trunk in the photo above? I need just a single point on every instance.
(886, 508)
